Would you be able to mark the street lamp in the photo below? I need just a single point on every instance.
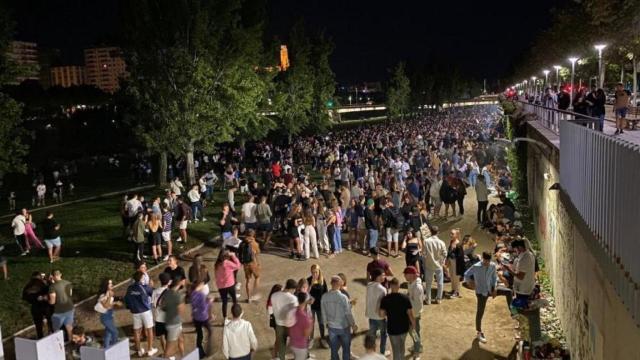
(535, 85)
(573, 70)
(600, 47)
(557, 67)
(546, 77)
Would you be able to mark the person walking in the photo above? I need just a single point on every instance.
(317, 289)
(482, 197)
(172, 303)
(283, 303)
(200, 314)
(482, 276)
(60, 296)
(299, 333)
(51, 232)
(225, 266)
(198, 272)
(375, 292)
(416, 296)
(105, 307)
(158, 313)
(336, 313)
(138, 301)
(435, 253)
(18, 224)
(263, 216)
(36, 293)
(248, 252)
(238, 339)
(397, 309)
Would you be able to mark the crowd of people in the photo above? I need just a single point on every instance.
(378, 191)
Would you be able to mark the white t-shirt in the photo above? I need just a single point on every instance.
(99, 308)
(249, 212)
(193, 195)
(375, 293)
(133, 206)
(18, 224)
(525, 263)
(157, 311)
(41, 189)
(284, 305)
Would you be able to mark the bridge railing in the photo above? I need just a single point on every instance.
(551, 118)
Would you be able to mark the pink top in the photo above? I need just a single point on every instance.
(224, 273)
(338, 218)
(296, 332)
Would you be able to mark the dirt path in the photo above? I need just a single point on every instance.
(448, 330)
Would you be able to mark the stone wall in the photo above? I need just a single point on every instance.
(594, 319)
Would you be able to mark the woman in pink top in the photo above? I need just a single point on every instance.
(300, 332)
(226, 264)
(337, 234)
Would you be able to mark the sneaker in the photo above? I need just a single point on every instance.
(141, 353)
(481, 338)
(166, 258)
(152, 352)
(24, 253)
(621, 131)
(204, 219)
(617, 132)
(238, 286)
(179, 239)
(323, 344)
(437, 301)
(387, 353)
(454, 295)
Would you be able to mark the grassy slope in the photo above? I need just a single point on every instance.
(93, 248)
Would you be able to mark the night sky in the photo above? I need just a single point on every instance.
(482, 37)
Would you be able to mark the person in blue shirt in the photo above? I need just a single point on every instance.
(138, 301)
(484, 277)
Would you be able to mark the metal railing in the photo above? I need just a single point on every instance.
(600, 175)
(551, 118)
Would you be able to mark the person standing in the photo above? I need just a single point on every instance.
(249, 250)
(238, 339)
(248, 219)
(200, 310)
(138, 235)
(336, 313)
(482, 196)
(371, 225)
(196, 204)
(183, 215)
(60, 296)
(36, 294)
(483, 277)
(375, 292)
(225, 266)
(397, 309)
(317, 289)
(156, 296)
(105, 306)
(416, 296)
(284, 303)
(138, 301)
(167, 225)
(51, 232)
(523, 270)
(299, 333)
(370, 348)
(620, 107)
(263, 216)
(18, 224)
(455, 262)
(174, 270)
(172, 303)
(435, 253)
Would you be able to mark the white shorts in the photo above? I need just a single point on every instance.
(166, 236)
(173, 332)
(145, 318)
(183, 225)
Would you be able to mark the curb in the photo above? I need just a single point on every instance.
(93, 297)
(96, 197)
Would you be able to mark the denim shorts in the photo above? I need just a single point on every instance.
(53, 242)
(621, 112)
(59, 319)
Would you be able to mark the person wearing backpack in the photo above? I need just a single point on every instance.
(249, 250)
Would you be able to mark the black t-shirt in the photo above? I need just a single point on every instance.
(228, 226)
(175, 272)
(396, 306)
(49, 228)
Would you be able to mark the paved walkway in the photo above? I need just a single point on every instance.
(447, 329)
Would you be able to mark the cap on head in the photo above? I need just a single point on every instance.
(411, 270)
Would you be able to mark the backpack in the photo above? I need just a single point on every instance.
(246, 253)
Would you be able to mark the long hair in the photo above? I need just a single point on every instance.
(222, 256)
(198, 270)
(320, 279)
(104, 286)
(274, 289)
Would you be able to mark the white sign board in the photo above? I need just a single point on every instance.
(1, 348)
(119, 351)
(194, 355)
(47, 348)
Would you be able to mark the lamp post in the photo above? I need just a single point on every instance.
(546, 77)
(557, 67)
(600, 47)
(573, 70)
(524, 86)
(535, 85)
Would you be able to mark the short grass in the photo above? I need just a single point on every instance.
(93, 248)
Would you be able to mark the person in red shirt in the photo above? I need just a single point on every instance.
(276, 169)
(378, 263)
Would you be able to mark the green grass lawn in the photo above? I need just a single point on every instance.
(93, 248)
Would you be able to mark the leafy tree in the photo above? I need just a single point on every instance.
(398, 94)
(324, 84)
(295, 88)
(193, 75)
(12, 149)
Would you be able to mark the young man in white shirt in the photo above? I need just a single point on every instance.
(416, 296)
(161, 330)
(284, 304)
(18, 225)
(523, 269)
(196, 204)
(248, 214)
(238, 338)
(435, 253)
(375, 292)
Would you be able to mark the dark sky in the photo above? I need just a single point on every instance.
(482, 37)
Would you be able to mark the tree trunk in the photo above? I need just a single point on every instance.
(635, 80)
(162, 169)
(191, 170)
